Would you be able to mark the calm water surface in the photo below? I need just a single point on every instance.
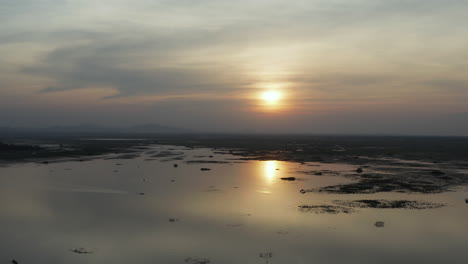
(229, 214)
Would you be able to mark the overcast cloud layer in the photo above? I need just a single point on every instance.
(343, 66)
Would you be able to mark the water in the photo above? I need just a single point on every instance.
(230, 214)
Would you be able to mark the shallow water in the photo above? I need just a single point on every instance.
(230, 214)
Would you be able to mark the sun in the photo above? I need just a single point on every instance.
(271, 96)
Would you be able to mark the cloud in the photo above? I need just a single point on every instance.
(209, 59)
(449, 84)
(104, 63)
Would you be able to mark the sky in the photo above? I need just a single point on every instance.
(337, 66)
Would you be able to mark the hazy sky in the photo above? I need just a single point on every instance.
(341, 66)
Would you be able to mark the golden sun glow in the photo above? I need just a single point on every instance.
(271, 96)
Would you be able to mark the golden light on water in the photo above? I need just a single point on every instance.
(269, 169)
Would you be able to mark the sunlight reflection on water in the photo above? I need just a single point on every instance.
(228, 214)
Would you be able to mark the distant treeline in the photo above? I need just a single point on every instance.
(12, 147)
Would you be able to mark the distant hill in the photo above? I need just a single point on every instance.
(93, 130)
(156, 128)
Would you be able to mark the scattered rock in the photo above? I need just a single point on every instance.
(302, 191)
(166, 154)
(124, 156)
(197, 261)
(14, 261)
(288, 179)
(212, 189)
(45, 162)
(205, 169)
(141, 193)
(234, 225)
(282, 232)
(359, 170)
(173, 220)
(266, 255)
(379, 224)
(319, 173)
(175, 165)
(207, 162)
(81, 251)
(437, 173)
(466, 200)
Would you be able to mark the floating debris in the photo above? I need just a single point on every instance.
(205, 169)
(141, 193)
(359, 170)
(303, 191)
(81, 251)
(175, 165)
(288, 179)
(173, 220)
(379, 224)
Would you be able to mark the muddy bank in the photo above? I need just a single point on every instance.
(405, 180)
(326, 209)
(389, 204)
(383, 164)
(24, 150)
(348, 207)
(349, 149)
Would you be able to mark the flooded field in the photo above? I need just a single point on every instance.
(172, 204)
